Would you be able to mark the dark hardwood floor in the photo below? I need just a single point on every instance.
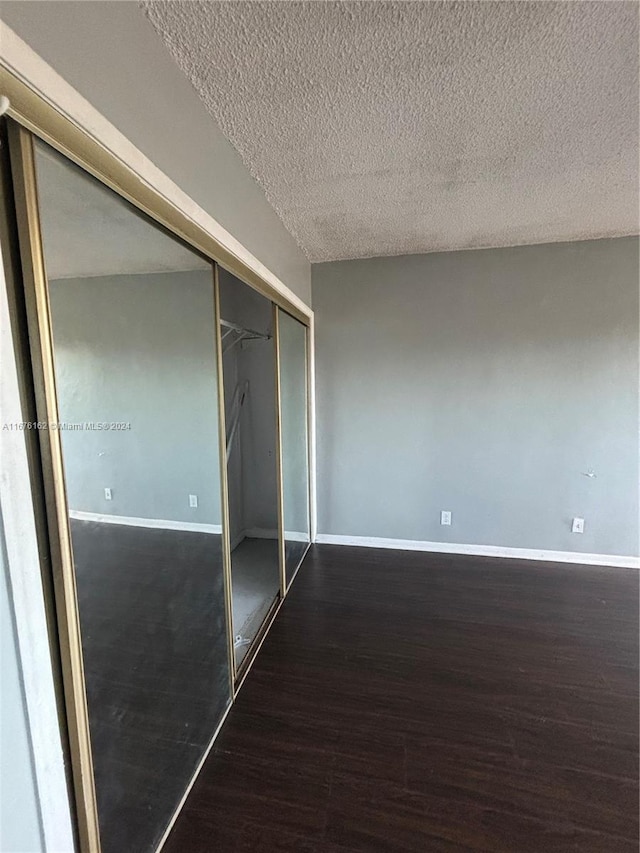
(413, 702)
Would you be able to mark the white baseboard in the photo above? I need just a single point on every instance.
(266, 533)
(253, 533)
(260, 533)
(376, 542)
(481, 550)
(238, 539)
(156, 523)
(296, 536)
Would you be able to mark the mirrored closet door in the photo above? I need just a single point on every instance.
(249, 362)
(132, 323)
(292, 363)
(169, 471)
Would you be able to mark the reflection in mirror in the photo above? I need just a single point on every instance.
(133, 326)
(293, 428)
(250, 414)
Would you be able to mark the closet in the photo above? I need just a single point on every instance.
(249, 384)
(167, 386)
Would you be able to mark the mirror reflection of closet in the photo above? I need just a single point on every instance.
(133, 326)
(248, 347)
(292, 339)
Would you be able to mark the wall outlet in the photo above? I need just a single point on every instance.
(577, 526)
(107, 494)
(193, 501)
(445, 518)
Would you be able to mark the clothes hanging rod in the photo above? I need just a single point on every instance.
(248, 333)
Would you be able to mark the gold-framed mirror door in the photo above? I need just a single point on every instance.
(123, 332)
(31, 117)
(294, 440)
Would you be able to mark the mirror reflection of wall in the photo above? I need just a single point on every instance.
(250, 413)
(293, 428)
(133, 325)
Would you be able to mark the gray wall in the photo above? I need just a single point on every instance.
(139, 349)
(487, 383)
(110, 53)
(20, 827)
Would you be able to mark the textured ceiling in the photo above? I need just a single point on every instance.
(382, 128)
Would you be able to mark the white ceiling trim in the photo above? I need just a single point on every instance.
(18, 58)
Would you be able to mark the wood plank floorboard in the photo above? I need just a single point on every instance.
(405, 701)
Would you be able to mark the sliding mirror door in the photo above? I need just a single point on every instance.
(250, 412)
(292, 340)
(132, 322)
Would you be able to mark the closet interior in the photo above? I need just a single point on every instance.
(249, 379)
(174, 478)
